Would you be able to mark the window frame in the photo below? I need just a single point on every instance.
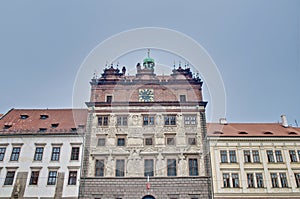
(250, 180)
(34, 178)
(148, 120)
(255, 156)
(226, 180)
(283, 180)
(99, 167)
(55, 155)
(293, 156)
(193, 167)
(247, 156)
(259, 180)
(148, 167)
(122, 120)
(223, 156)
(51, 180)
(75, 151)
(170, 120)
(10, 177)
(278, 155)
(270, 156)
(103, 120)
(235, 180)
(38, 155)
(232, 156)
(171, 167)
(72, 179)
(15, 153)
(2, 153)
(120, 168)
(190, 120)
(274, 180)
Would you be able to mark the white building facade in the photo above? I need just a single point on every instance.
(40, 153)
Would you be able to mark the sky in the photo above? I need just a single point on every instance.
(255, 45)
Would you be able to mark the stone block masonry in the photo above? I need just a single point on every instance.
(131, 188)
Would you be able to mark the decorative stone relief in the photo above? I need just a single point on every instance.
(110, 166)
(134, 164)
(182, 166)
(160, 165)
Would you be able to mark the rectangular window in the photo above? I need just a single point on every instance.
(75, 153)
(232, 156)
(192, 141)
(190, 120)
(293, 156)
(255, 154)
(226, 180)
(297, 178)
(122, 120)
(121, 141)
(247, 156)
(283, 180)
(259, 180)
(38, 155)
(72, 178)
(15, 154)
(170, 120)
(270, 156)
(2, 153)
(223, 154)
(182, 98)
(120, 168)
(52, 178)
(235, 180)
(103, 120)
(171, 170)
(99, 168)
(148, 120)
(34, 177)
(10, 175)
(55, 153)
(250, 180)
(170, 141)
(274, 180)
(148, 141)
(193, 167)
(109, 98)
(148, 167)
(101, 142)
(278, 156)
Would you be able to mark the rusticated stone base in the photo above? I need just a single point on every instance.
(135, 188)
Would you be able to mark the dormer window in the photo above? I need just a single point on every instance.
(43, 117)
(73, 129)
(42, 129)
(268, 133)
(7, 125)
(24, 116)
(243, 133)
(54, 125)
(182, 98)
(109, 98)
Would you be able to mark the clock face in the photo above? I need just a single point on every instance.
(146, 95)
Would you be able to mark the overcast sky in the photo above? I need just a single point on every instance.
(255, 45)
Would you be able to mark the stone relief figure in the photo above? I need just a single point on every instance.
(160, 165)
(113, 120)
(135, 120)
(159, 120)
(134, 163)
(182, 166)
(179, 120)
(110, 166)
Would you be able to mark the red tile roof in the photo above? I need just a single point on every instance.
(55, 121)
(251, 130)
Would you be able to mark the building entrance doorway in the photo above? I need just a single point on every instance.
(148, 197)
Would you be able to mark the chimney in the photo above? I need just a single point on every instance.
(284, 122)
(223, 121)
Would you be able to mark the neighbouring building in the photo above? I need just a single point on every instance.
(255, 160)
(40, 153)
(146, 126)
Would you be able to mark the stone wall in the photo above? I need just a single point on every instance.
(161, 188)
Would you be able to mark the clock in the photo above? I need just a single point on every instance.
(146, 95)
